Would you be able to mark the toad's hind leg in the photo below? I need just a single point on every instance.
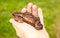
(20, 20)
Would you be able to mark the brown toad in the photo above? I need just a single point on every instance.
(28, 18)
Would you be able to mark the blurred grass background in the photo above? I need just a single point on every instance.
(51, 13)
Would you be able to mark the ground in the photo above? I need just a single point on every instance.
(51, 13)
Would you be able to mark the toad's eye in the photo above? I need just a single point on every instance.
(20, 17)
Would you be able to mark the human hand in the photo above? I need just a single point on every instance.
(25, 30)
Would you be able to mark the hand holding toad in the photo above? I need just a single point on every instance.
(25, 30)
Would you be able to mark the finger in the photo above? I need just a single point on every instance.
(35, 10)
(40, 15)
(24, 10)
(29, 7)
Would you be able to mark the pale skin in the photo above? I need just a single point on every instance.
(24, 30)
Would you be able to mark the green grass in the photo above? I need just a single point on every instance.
(51, 12)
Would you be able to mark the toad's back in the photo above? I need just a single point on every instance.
(28, 18)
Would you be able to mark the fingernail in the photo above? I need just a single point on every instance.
(10, 20)
(30, 4)
(34, 7)
(23, 10)
(39, 10)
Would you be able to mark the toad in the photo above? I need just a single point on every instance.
(29, 19)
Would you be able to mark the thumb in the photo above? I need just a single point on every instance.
(14, 23)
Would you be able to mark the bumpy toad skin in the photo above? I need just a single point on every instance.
(28, 18)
